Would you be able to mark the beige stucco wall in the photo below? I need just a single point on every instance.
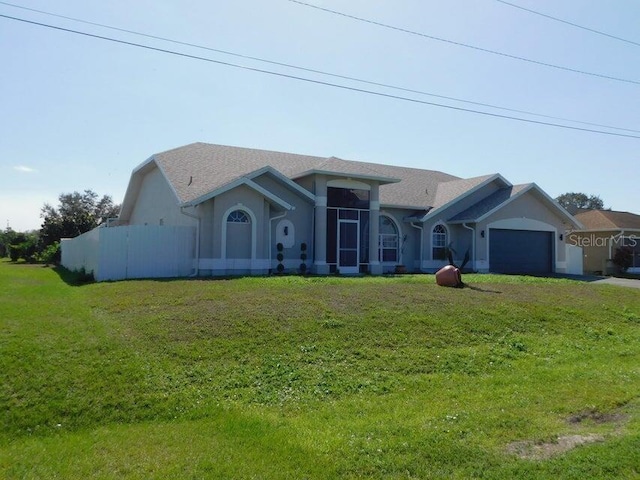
(597, 248)
(595, 257)
(157, 204)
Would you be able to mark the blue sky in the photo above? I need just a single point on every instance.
(80, 113)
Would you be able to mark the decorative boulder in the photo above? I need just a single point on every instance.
(449, 276)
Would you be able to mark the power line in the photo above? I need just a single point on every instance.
(344, 77)
(309, 80)
(592, 30)
(465, 45)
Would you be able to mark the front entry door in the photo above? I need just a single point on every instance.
(348, 242)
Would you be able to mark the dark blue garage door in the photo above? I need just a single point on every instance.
(520, 251)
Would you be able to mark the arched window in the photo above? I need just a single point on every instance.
(439, 242)
(238, 216)
(388, 240)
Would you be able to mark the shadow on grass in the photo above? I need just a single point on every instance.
(567, 276)
(74, 279)
(478, 289)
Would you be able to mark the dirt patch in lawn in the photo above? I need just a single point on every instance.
(539, 450)
(530, 450)
(597, 417)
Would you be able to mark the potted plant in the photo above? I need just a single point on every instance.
(400, 269)
(450, 275)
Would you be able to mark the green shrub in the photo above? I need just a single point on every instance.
(14, 252)
(50, 254)
(303, 257)
(25, 250)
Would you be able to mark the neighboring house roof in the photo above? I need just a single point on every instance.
(608, 220)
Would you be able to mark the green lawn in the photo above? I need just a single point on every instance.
(291, 377)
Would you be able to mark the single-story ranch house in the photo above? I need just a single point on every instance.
(212, 210)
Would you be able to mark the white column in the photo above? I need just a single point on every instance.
(374, 225)
(320, 226)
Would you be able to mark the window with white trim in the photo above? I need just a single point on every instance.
(238, 216)
(439, 242)
(388, 240)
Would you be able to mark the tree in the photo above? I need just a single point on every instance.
(573, 201)
(76, 214)
(19, 245)
(6, 238)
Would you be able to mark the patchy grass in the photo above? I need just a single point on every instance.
(327, 377)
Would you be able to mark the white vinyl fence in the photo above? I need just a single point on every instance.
(574, 260)
(135, 251)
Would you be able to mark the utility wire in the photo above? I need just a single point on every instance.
(309, 80)
(335, 75)
(592, 30)
(466, 45)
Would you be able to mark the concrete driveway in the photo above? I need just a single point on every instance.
(621, 282)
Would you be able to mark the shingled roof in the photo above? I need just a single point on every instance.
(490, 203)
(608, 220)
(199, 168)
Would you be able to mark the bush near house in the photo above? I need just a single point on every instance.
(50, 254)
(623, 258)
